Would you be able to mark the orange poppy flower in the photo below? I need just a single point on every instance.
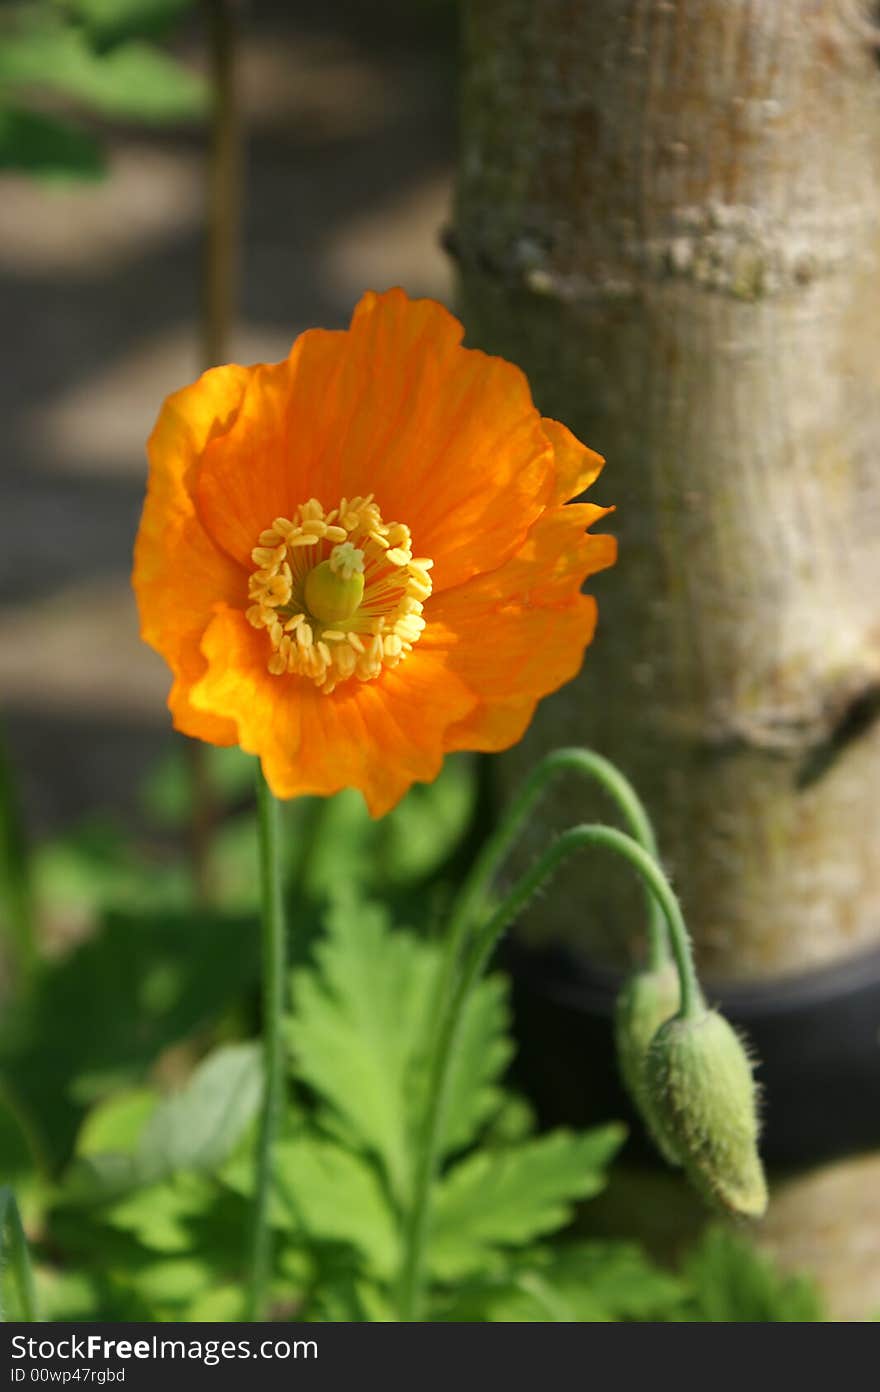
(359, 559)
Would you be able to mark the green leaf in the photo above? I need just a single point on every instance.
(482, 1053)
(198, 1127)
(174, 1281)
(423, 830)
(159, 1215)
(15, 1260)
(732, 1281)
(361, 1030)
(109, 22)
(515, 1297)
(96, 1019)
(582, 1282)
(93, 868)
(510, 1292)
(613, 1281)
(218, 1305)
(116, 1125)
(194, 1130)
(132, 81)
(508, 1197)
(68, 1295)
(514, 1121)
(18, 1151)
(327, 1194)
(354, 1027)
(349, 1299)
(233, 856)
(334, 1196)
(47, 147)
(400, 850)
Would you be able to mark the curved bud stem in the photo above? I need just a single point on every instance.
(575, 839)
(480, 949)
(595, 768)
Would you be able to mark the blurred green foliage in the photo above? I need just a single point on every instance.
(67, 65)
(130, 1084)
(16, 889)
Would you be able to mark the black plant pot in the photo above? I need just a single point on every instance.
(816, 1035)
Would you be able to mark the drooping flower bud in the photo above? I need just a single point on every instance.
(647, 1000)
(703, 1097)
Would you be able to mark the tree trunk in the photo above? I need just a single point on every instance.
(669, 214)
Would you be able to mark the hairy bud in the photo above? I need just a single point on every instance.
(647, 1000)
(702, 1092)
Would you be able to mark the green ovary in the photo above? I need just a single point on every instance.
(331, 599)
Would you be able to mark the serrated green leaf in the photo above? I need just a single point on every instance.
(582, 1282)
(354, 1026)
(515, 1291)
(335, 1196)
(533, 1298)
(613, 1281)
(732, 1281)
(514, 1121)
(347, 1299)
(482, 1053)
(329, 1198)
(361, 1032)
(508, 1197)
(132, 81)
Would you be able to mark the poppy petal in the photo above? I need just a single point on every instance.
(446, 439)
(179, 574)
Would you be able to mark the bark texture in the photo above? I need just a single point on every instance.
(669, 213)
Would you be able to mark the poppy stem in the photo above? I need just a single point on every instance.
(593, 767)
(273, 978)
(19, 1261)
(472, 900)
(577, 838)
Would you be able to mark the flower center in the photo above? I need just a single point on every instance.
(338, 593)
